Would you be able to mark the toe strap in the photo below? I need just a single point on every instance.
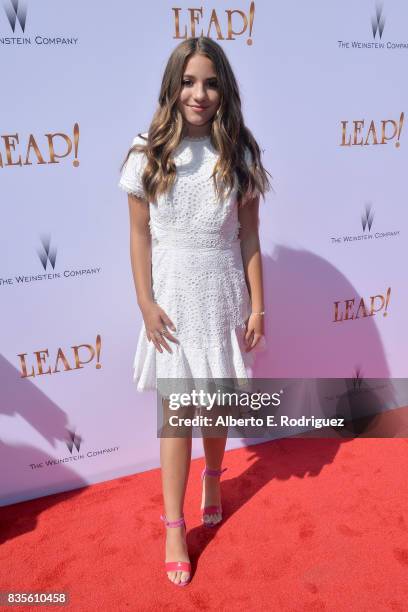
(212, 510)
(177, 566)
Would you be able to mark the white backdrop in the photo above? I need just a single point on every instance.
(314, 79)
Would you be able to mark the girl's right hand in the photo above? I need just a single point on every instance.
(156, 320)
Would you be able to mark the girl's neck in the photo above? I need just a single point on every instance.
(196, 137)
(193, 132)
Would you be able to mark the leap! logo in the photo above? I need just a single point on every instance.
(33, 151)
(348, 310)
(37, 366)
(360, 133)
(235, 24)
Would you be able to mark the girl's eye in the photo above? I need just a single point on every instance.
(210, 84)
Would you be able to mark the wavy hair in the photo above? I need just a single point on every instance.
(229, 135)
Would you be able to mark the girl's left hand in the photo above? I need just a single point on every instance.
(254, 331)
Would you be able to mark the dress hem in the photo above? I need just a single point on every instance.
(227, 361)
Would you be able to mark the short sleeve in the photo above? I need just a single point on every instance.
(131, 177)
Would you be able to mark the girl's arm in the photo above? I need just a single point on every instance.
(155, 318)
(248, 216)
(140, 250)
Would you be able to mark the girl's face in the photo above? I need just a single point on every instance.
(199, 97)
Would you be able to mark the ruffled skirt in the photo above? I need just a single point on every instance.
(204, 293)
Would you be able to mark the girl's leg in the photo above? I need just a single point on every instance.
(214, 449)
(175, 457)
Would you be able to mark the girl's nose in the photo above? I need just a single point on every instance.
(199, 93)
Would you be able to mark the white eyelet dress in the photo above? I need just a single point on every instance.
(197, 273)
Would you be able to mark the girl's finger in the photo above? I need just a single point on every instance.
(253, 343)
(157, 345)
(256, 339)
(169, 336)
(156, 342)
(167, 321)
(164, 343)
(248, 336)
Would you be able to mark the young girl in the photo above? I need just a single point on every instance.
(194, 182)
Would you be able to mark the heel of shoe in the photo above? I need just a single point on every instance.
(210, 510)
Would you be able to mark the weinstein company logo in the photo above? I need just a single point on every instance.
(73, 442)
(357, 379)
(367, 225)
(378, 22)
(47, 255)
(16, 13)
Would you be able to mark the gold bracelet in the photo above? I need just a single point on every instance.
(258, 313)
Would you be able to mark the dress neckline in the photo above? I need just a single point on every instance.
(196, 138)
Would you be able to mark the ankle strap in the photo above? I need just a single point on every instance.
(208, 472)
(178, 523)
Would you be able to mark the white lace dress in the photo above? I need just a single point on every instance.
(197, 273)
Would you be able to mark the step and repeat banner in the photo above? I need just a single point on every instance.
(324, 92)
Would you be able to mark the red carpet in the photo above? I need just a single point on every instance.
(312, 524)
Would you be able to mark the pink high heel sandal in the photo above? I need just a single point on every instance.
(207, 511)
(176, 566)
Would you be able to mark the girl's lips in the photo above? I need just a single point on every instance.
(198, 108)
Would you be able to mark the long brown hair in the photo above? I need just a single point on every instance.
(229, 135)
